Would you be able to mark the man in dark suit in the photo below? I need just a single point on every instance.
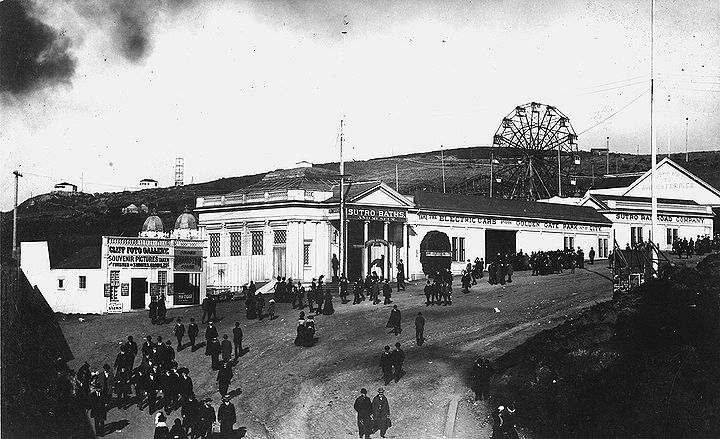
(226, 348)
(179, 332)
(386, 365)
(363, 407)
(419, 329)
(398, 359)
(237, 339)
(193, 332)
(210, 334)
(381, 412)
(227, 417)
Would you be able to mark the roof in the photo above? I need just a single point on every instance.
(508, 208)
(86, 257)
(613, 182)
(604, 197)
(352, 190)
(149, 179)
(65, 183)
(680, 169)
(308, 178)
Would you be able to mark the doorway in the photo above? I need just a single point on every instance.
(279, 261)
(499, 241)
(138, 290)
(354, 263)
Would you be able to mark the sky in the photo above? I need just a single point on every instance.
(103, 93)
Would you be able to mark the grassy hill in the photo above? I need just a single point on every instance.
(72, 221)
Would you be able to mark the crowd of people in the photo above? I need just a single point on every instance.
(699, 246)
(157, 382)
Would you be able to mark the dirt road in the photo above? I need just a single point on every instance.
(297, 392)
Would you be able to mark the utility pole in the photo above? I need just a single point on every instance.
(397, 180)
(607, 155)
(686, 140)
(442, 164)
(343, 259)
(653, 146)
(15, 253)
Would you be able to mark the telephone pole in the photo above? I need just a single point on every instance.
(607, 155)
(15, 252)
(442, 164)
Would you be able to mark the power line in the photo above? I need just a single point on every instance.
(615, 113)
(618, 87)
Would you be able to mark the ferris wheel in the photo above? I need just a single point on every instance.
(534, 154)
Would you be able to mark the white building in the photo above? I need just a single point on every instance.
(65, 187)
(148, 183)
(124, 273)
(288, 225)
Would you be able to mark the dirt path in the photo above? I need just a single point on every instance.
(293, 392)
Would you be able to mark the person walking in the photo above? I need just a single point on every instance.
(259, 305)
(227, 417)
(343, 288)
(386, 364)
(328, 308)
(212, 310)
(509, 424)
(98, 411)
(237, 340)
(419, 329)
(394, 321)
(428, 290)
(205, 308)
(591, 255)
(400, 276)
(207, 418)
(161, 428)
(214, 350)
(178, 431)
(387, 292)
(398, 359)
(210, 334)
(381, 412)
(161, 311)
(193, 332)
(224, 376)
(179, 332)
(226, 348)
(335, 262)
(364, 408)
(271, 308)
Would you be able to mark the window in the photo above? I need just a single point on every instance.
(82, 282)
(602, 248)
(458, 249)
(636, 235)
(214, 245)
(257, 242)
(61, 284)
(672, 235)
(235, 243)
(306, 254)
(280, 237)
(162, 277)
(569, 242)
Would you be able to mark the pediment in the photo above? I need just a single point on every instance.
(675, 182)
(382, 195)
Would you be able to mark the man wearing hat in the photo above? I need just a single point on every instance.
(227, 417)
(363, 407)
(211, 333)
(381, 412)
(223, 378)
(207, 418)
(179, 332)
(398, 359)
(386, 365)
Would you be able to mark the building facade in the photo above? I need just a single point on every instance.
(124, 273)
(288, 225)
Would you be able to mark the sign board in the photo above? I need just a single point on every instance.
(376, 214)
(115, 308)
(184, 298)
(139, 256)
(124, 289)
(154, 289)
(432, 253)
(661, 218)
(107, 290)
(188, 260)
(522, 224)
(170, 289)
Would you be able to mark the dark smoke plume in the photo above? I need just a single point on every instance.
(133, 20)
(33, 55)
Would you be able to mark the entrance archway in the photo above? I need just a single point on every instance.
(378, 252)
(435, 253)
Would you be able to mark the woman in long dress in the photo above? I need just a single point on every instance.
(327, 305)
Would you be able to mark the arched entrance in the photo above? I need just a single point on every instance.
(435, 253)
(378, 254)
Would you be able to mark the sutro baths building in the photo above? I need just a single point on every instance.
(288, 225)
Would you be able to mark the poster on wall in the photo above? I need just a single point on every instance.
(125, 289)
(115, 308)
(107, 290)
(170, 289)
(188, 260)
(154, 289)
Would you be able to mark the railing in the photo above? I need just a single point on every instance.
(278, 195)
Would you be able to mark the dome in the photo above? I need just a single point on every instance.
(153, 223)
(186, 220)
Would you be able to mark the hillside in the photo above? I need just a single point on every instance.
(72, 221)
(643, 365)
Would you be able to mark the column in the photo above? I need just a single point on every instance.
(366, 226)
(386, 268)
(406, 243)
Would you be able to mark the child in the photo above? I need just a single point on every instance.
(271, 308)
